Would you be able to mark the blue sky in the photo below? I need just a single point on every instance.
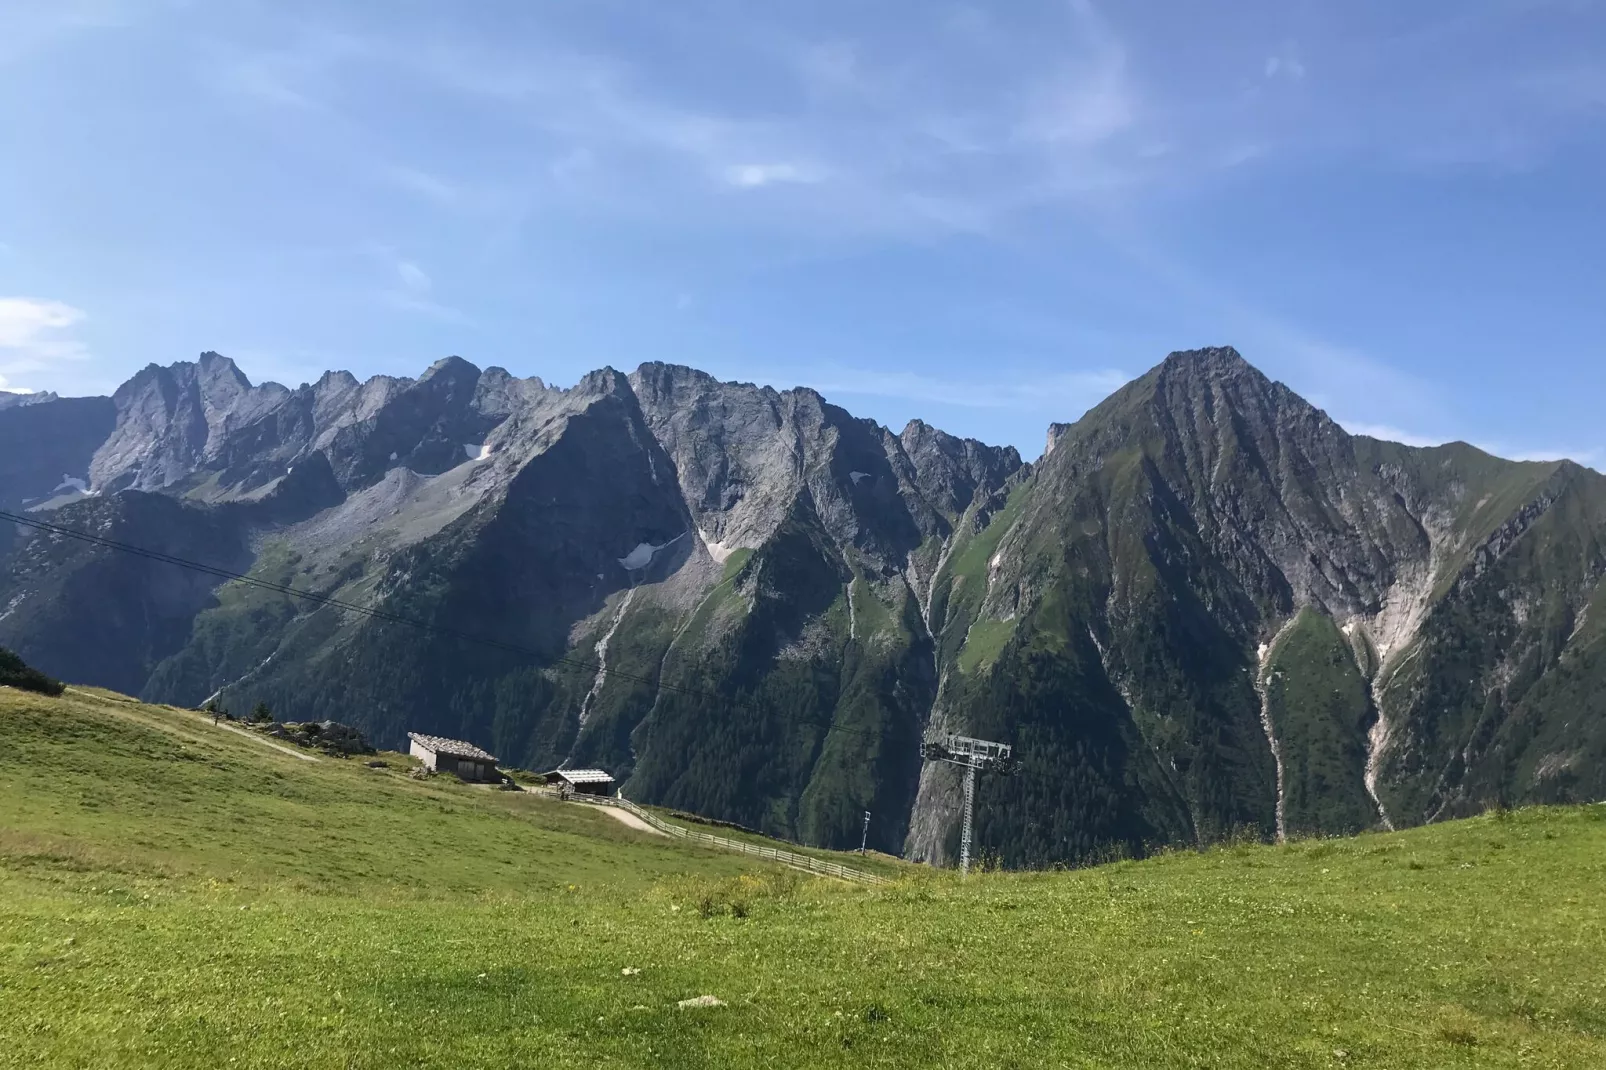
(988, 216)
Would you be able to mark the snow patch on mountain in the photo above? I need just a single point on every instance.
(717, 550)
(644, 552)
(11, 606)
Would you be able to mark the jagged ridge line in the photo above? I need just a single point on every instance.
(396, 618)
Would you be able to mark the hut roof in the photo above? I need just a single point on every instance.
(580, 776)
(455, 747)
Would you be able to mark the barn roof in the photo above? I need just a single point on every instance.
(455, 747)
(581, 776)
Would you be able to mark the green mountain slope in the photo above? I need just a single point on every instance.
(1206, 612)
(1318, 708)
(1118, 631)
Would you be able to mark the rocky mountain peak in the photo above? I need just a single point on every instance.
(215, 367)
(336, 380)
(1209, 397)
(669, 376)
(604, 382)
(1210, 360)
(453, 368)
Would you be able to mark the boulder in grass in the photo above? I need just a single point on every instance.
(697, 1002)
(337, 738)
(331, 737)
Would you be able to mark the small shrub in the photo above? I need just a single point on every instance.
(15, 673)
(737, 896)
(261, 714)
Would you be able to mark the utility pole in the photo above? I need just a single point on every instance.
(971, 755)
(864, 839)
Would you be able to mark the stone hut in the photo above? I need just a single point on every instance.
(454, 756)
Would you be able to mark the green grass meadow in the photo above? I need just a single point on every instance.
(175, 895)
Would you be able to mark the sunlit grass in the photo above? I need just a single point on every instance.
(172, 897)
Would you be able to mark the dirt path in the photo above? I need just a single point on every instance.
(628, 818)
(291, 751)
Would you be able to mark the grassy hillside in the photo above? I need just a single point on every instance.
(1319, 706)
(172, 894)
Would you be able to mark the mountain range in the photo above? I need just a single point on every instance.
(1206, 610)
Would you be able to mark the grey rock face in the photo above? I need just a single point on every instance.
(46, 447)
(746, 455)
(12, 400)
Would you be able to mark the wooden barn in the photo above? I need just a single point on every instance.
(581, 781)
(454, 756)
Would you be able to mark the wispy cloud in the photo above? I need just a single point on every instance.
(1333, 374)
(421, 183)
(1390, 434)
(963, 121)
(412, 277)
(36, 335)
(755, 175)
(1061, 396)
(1527, 453)
(1092, 97)
(1285, 63)
(301, 75)
(1508, 450)
(917, 131)
(412, 290)
(27, 27)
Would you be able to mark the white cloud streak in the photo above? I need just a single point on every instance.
(961, 122)
(1064, 396)
(756, 175)
(35, 335)
(412, 277)
(1523, 453)
(421, 183)
(1505, 450)
(1390, 434)
(1285, 63)
(413, 291)
(868, 138)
